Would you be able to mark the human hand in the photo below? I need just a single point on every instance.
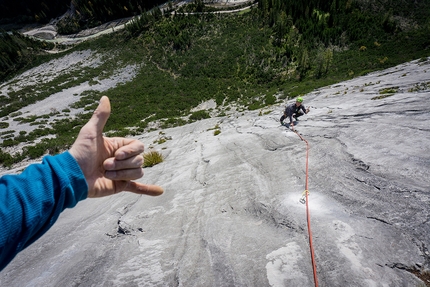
(109, 164)
(307, 110)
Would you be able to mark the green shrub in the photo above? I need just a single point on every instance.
(269, 99)
(7, 142)
(4, 125)
(35, 151)
(7, 160)
(152, 158)
(7, 132)
(172, 122)
(28, 119)
(255, 105)
(199, 115)
(12, 115)
(93, 82)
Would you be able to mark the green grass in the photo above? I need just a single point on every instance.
(387, 92)
(152, 158)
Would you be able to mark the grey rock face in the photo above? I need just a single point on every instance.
(231, 215)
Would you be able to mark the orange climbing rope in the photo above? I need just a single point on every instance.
(306, 193)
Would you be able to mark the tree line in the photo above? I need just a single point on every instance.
(16, 51)
(305, 31)
(83, 13)
(326, 21)
(29, 11)
(87, 14)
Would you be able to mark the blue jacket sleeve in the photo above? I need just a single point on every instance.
(31, 202)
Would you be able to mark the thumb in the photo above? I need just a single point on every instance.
(100, 115)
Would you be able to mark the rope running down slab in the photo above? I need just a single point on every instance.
(308, 216)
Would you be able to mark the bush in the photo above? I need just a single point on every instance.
(199, 115)
(172, 122)
(269, 100)
(152, 158)
(255, 105)
(7, 160)
(4, 125)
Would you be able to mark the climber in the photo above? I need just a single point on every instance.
(294, 110)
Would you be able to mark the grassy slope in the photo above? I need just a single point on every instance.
(230, 58)
(186, 60)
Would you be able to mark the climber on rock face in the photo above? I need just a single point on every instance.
(294, 110)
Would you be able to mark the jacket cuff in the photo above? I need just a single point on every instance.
(71, 177)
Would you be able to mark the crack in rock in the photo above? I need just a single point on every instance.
(378, 219)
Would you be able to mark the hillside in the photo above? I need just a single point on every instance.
(207, 90)
(176, 61)
(71, 16)
(231, 215)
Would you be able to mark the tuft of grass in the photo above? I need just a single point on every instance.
(214, 128)
(392, 90)
(160, 140)
(384, 93)
(152, 158)
(420, 87)
(217, 132)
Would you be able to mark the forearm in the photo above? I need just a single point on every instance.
(31, 202)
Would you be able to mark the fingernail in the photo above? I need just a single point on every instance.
(109, 164)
